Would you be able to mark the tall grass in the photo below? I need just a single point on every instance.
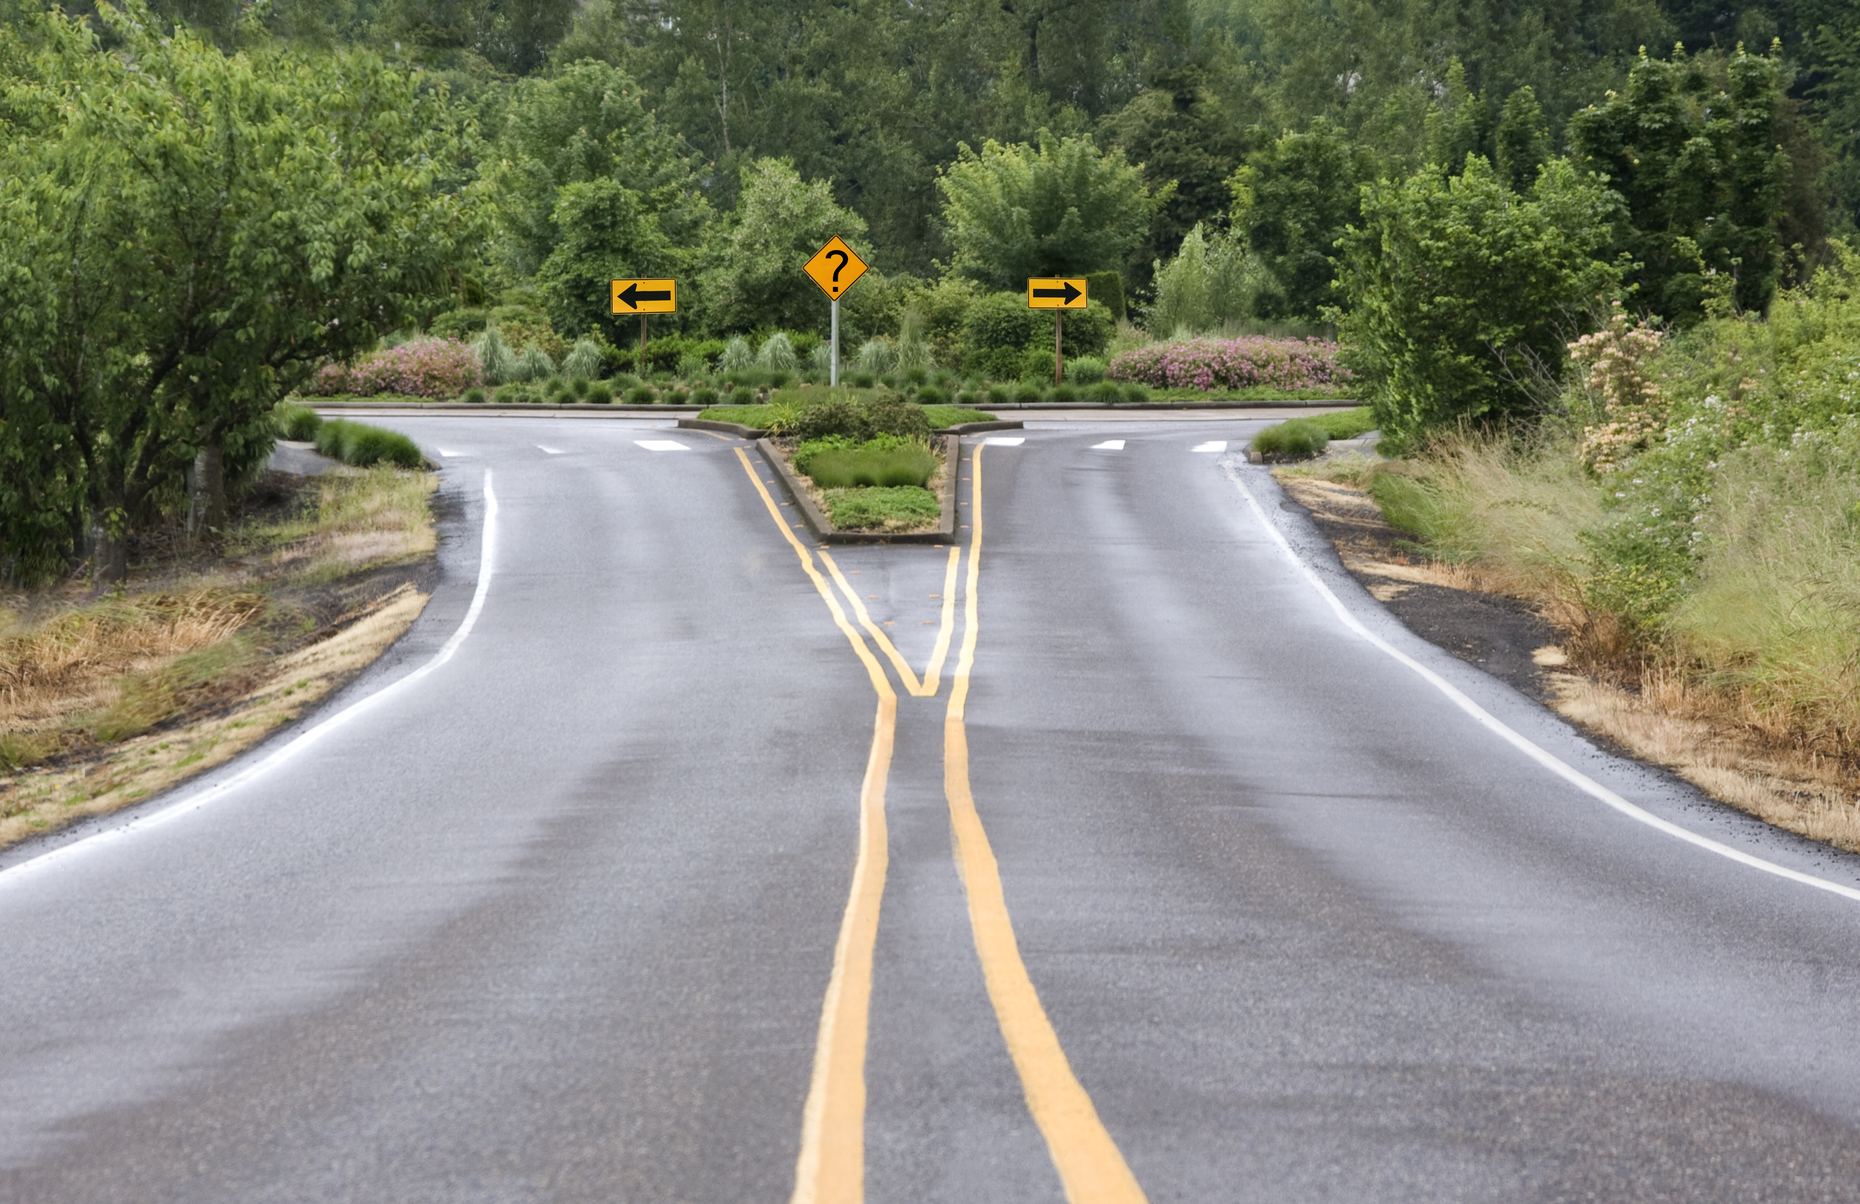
(360, 445)
(1774, 613)
(881, 462)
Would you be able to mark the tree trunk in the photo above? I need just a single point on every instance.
(111, 563)
(206, 508)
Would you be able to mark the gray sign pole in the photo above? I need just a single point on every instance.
(833, 369)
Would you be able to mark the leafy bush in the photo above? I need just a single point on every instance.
(930, 395)
(1209, 285)
(741, 396)
(296, 423)
(1463, 294)
(703, 395)
(1062, 394)
(640, 395)
(440, 369)
(1088, 370)
(600, 393)
(511, 394)
(1105, 392)
(473, 396)
(1027, 394)
(360, 445)
(1210, 364)
(1299, 439)
(585, 361)
(459, 324)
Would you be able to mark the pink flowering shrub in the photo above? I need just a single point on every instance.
(1209, 364)
(437, 368)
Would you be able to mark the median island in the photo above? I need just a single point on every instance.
(867, 463)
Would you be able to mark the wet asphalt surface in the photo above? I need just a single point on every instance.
(554, 921)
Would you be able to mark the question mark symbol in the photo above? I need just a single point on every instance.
(844, 260)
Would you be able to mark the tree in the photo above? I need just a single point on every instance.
(1694, 145)
(755, 278)
(588, 121)
(608, 231)
(1521, 143)
(1061, 208)
(1209, 284)
(1292, 201)
(1462, 294)
(1176, 130)
(186, 238)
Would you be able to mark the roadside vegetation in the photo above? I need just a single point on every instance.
(195, 656)
(1304, 438)
(871, 463)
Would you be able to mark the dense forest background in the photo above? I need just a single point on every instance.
(210, 202)
(878, 98)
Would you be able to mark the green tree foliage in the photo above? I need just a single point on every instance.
(1521, 143)
(1210, 284)
(1178, 132)
(1695, 147)
(1060, 208)
(607, 231)
(188, 232)
(754, 276)
(587, 122)
(1462, 294)
(1292, 201)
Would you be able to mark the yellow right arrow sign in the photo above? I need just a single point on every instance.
(1056, 292)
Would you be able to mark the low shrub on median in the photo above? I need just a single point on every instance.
(361, 445)
(888, 460)
(297, 423)
(1299, 439)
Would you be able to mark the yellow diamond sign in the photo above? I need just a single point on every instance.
(834, 268)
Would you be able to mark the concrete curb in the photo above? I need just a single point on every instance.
(722, 428)
(592, 409)
(976, 428)
(823, 530)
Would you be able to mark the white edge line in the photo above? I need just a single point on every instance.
(304, 739)
(1522, 743)
(1109, 445)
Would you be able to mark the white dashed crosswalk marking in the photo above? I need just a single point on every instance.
(449, 454)
(1109, 445)
(550, 451)
(1211, 446)
(661, 445)
(1006, 440)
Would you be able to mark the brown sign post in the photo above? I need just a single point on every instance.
(1057, 293)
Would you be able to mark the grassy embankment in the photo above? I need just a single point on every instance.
(104, 702)
(1694, 531)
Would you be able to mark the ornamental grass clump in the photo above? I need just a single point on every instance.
(777, 354)
(1243, 363)
(1299, 439)
(497, 362)
(584, 360)
(737, 356)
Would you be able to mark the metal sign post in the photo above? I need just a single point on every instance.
(834, 268)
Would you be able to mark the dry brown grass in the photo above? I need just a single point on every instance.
(76, 658)
(114, 699)
(42, 799)
(1693, 734)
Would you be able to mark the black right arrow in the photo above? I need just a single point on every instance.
(631, 295)
(1069, 293)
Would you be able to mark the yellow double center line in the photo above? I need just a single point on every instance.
(831, 1165)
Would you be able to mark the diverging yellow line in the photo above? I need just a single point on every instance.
(831, 1165)
(1090, 1166)
(919, 687)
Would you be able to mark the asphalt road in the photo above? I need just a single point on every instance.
(1113, 859)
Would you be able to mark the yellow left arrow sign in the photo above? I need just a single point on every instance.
(645, 296)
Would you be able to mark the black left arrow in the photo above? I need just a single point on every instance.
(632, 295)
(1069, 293)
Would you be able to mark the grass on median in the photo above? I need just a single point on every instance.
(892, 509)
